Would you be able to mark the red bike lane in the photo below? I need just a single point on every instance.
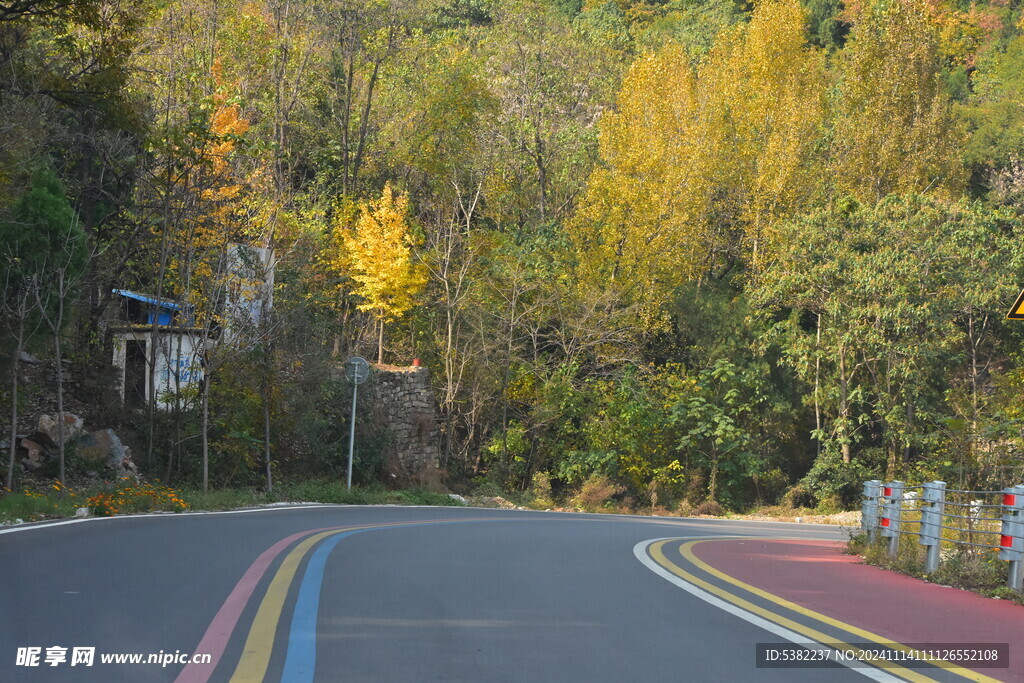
(820, 577)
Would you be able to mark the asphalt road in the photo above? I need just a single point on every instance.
(338, 593)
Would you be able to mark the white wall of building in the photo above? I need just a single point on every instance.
(178, 366)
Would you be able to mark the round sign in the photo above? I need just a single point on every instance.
(357, 370)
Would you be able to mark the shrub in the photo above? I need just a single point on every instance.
(832, 479)
(596, 493)
(771, 486)
(540, 491)
(799, 496)
(485, 487)
(830, 504)
(973, 569)
(709, 507)
(684, 509)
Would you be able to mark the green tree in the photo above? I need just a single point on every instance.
(714, 430)
(44, 254)
(887, 312)
(995, 116)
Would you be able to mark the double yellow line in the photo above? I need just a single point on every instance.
(656, 551)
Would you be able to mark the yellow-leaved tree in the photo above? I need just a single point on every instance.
(894, 130)
(380, 250)
(700, 160)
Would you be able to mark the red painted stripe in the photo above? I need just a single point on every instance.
(217, 635)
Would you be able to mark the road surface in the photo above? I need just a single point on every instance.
(346, 593)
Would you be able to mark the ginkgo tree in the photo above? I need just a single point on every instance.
(381, 251)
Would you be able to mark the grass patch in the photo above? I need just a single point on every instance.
(974, 569)
(783, 511)
(103, 499)
(313, 491)
(125, 497)
(225, 499)
(31, 506)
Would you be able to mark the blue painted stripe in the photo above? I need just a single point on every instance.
(300, 661)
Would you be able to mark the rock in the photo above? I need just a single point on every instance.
(128, 470)
(457, 498)
(128, 464)
(27, 357)
(36, 455)
(82, 512)
(73, 427)
(102, 449)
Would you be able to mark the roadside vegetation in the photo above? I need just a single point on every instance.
(696, 257)
(103, 499)
(969, 568)
(126, 497)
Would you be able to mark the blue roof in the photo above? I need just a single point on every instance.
(149, 300)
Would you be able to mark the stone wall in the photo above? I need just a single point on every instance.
(403, 403)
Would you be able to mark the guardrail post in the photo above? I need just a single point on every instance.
(892, 510)
(933, 504)
(1011, 539)
(869, 508)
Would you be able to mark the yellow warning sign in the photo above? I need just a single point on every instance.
(1017, 312)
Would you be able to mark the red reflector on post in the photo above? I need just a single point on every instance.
(887, 491)
(1006, 541)
(1009, 500)
(885, 521)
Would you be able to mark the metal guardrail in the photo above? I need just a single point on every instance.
(975, 519)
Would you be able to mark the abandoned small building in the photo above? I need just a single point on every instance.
(157, 345)
(176, 364)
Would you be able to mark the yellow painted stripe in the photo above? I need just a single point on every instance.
(686, 550)
(812, 634)
(260, 644)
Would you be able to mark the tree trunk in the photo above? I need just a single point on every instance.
(19, 343)
(817, 384)
(713, 479)
(206, 430)
(266, 435)
(380, 343)
(906, 438)
(58, 323)
(844, 408)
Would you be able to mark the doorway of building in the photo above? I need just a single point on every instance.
(135, 364)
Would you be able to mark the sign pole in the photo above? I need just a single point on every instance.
(352, 434)
(357, 370)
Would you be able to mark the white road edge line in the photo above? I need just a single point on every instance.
(640, 551)
(179, 515)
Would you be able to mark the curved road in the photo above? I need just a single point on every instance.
(340, 593)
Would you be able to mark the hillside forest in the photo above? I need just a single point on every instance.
(689, 250)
